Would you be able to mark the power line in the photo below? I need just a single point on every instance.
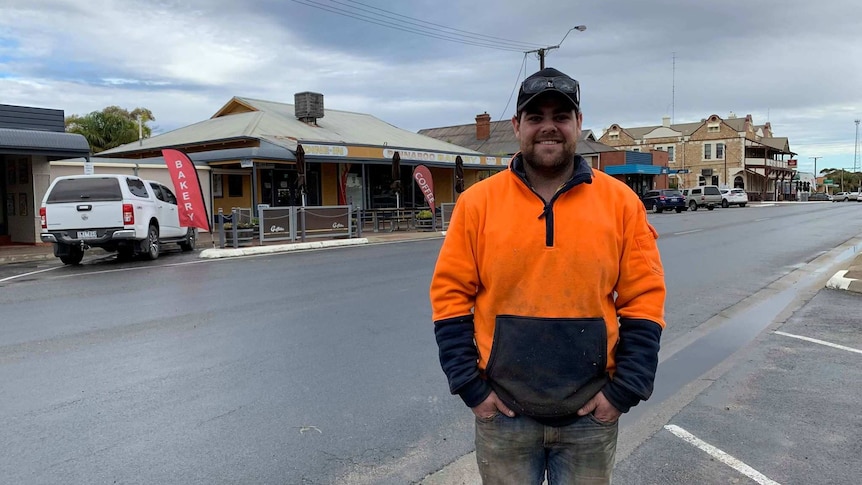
(511, 95)
(467, 33)
(383, 23)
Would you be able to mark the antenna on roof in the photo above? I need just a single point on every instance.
(673, 89)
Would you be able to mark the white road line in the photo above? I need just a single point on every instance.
(138, 268)
(720, 455)
(28, 274)
(687, 232)
(821, 342)
(762, 219)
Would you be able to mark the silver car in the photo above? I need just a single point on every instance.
(708, 196)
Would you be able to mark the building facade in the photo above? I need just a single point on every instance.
(731, 152)
(250, 149)
(30, 139)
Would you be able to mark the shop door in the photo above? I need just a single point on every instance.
(279, 187)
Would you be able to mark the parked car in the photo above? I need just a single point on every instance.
(664, 199)
(707, 196)
(819, 196)
(731, 197)
(121, 213)
(845, 196)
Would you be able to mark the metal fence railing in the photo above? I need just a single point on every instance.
(240, 228)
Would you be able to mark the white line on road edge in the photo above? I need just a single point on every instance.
(28, 274)
(687, 232)
(821, 342)
(720, 455)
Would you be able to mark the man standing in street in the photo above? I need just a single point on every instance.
(548, 301)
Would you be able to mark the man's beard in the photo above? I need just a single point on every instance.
(549, 164)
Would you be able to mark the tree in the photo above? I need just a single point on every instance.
(848, 181)
(111, 127)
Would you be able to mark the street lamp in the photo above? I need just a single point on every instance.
(544, 50)
(815, 172)
(856, 150)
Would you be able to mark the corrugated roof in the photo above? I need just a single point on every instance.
(778, 143)
(638, 132)
(502, 141)
(686, 129)
(44, 142)
(276, 123)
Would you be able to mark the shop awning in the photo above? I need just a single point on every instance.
(634, 168)
(50, 143)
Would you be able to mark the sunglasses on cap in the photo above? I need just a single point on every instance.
(563, 84)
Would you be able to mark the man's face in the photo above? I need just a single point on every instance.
(548, 130)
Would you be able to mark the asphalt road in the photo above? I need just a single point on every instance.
(314, 367)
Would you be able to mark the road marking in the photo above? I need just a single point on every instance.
(687, 232)
(9, 278)
(762, 219)
(138, 268)
(720, 455)
(821, 342)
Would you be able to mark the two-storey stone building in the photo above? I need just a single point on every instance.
(731, 152)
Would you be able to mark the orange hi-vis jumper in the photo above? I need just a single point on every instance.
(547, 304)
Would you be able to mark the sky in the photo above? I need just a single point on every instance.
(430, 63)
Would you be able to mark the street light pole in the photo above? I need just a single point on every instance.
(856, 150)
(815, 172)
(544, 50)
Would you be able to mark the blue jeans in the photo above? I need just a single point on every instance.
(520, 450)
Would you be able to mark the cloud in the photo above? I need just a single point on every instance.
(788, 62)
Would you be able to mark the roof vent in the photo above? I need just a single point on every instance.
(308, 106)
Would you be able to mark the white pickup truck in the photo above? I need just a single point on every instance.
(121, 213)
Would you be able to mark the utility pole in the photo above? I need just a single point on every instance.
(544, 50)
(856, 151)
(815, 172)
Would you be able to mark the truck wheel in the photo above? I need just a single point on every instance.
(151, 250)
(692, 206)
(74, 257)
(655, 208)
(710, 207)
(678, 210)
(724, 203)
(191, 238)
(742, 204)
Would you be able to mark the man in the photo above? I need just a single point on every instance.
(548, 301)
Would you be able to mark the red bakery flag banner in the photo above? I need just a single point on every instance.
(192, 210)
(422, 176)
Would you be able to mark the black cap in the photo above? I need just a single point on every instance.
(549, 79)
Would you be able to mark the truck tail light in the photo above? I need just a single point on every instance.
(43, 217)
(128, 215)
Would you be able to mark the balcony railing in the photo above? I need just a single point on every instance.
(768, 162)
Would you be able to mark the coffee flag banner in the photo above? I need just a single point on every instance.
(187, 185)
(422, 176)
